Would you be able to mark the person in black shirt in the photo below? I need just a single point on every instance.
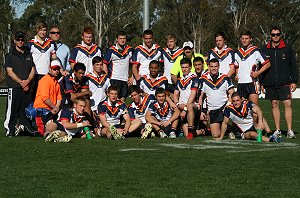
(20, 73)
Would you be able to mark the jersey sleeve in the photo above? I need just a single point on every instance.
(107, 57)
(152, 108)
(65, 115)
(229, 83)
(227, 112)
(73, 55)
(68, 85)
(8, 61)
(101, 108)
(261, 57)
(85, 82)
(131, 111)
(195, 84)
(134, 59)
(124, 109)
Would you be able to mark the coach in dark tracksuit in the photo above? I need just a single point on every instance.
(20, 72)
(281, 79)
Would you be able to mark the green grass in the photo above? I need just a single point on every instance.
(30, 167)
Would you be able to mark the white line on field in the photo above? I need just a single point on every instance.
(258, 150)
(137, 149)
(198, 146)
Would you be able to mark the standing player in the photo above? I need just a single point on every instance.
(137, 109)
(248, 59)
(98, 82)
(185, 92)
(86, 51)
(246, 118)
(110, 112)
(169, 56)
(43, 51)
(224, 54)
(217, 88)
(163, 118)
(281, 79)
(150, 82)
(117, 60)
(143, 54)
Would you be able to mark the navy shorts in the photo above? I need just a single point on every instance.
(171, 88)
(245, 89)
(217, 116)
(278, 93)
(122, 87)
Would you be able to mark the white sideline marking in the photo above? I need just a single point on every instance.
(232, 142)
(258, 150)
(137, 149)
(198, 146)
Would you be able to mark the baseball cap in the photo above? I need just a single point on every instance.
(188, 44)
(20, 34)
(55, 64)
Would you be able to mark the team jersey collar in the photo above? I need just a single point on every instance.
(221, 50)
(149, 77)
(210, 77)
(169, 50)
(84, 45)
(96, 75)
(187, 76)
(36, 40)
(164, 105)
(110, 103)
(118, 47)
(152, 48)
(248, 47)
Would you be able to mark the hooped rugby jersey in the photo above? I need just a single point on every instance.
(112, 112)
(168, 58)
(139, 110)
(161, 113)
(41, 54)
(149, 87)
(142, 57)
(185, 85)
(71, 86)
(242, 117)
(216, 92)
(247, 61)
(72, 116)
(98, 85)
(118, 61)
(81, 54)
(225, 57)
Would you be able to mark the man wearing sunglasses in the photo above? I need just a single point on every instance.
(62, 50)
(280, 80)
(20, 70)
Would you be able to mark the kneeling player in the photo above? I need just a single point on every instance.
(247, 117)
(110, 112)
(164, 120)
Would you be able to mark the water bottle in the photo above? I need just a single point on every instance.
(87, 132)
(259, 135)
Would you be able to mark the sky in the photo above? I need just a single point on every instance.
(20, 8)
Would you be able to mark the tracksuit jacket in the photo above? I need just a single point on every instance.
(283, 70)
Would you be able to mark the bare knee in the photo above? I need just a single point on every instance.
(275, 104)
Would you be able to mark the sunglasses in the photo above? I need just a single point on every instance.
(54, 32)
(19, 39)
(56, 69)
(273, 35)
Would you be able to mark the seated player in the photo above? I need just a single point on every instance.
(217, 87)
(185, 92)
(74, 120)
(137, 109)
(76, 85)
(110, 112)
(247, 118)
(163, 118)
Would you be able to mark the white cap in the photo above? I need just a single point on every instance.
(54, 64)
(188, 44)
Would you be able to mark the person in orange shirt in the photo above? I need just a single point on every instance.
(48, 99)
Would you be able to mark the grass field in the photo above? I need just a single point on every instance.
(30, 167)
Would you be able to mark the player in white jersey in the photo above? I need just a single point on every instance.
(246, 118)
(169, 56)
(98, 82)
(117, 60)
(150, 82)
(185, 91)
(86, 51)
(217, 87)
(248, 60)
(144, 54)
(224, 54)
